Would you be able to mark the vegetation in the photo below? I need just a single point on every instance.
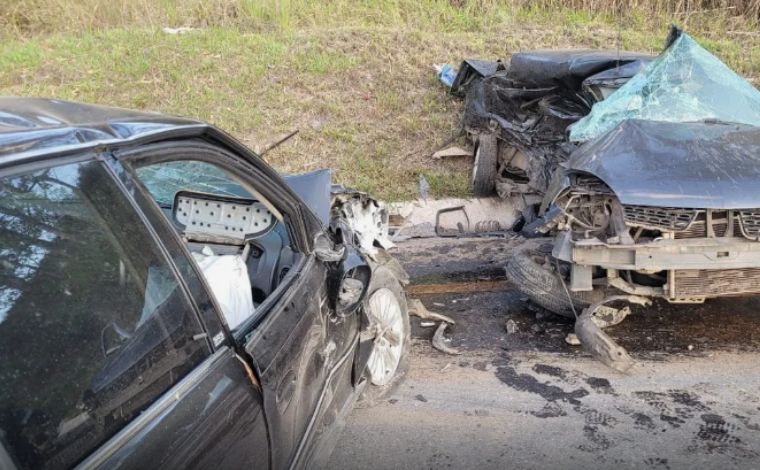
(355, 76)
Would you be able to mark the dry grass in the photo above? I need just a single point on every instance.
(35, 16)
(354, 76)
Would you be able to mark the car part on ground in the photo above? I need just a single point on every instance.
(588, 330)
(525, 107)
(600, 345)
(439, 341)
(418, 309)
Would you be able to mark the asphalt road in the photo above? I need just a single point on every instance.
(529, 400)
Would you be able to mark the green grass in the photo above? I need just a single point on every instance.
(355, 77)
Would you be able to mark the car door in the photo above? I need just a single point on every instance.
(294, 340)
(108, 357)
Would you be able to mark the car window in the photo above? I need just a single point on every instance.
(237, 241)
(164, 180)
(93, 324)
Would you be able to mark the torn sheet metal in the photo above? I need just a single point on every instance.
(685, 84)
(361, 218)
(531, 101)
(418, 309)
(439, 342)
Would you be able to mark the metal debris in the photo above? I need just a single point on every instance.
(417, 309)
(600, 345)
(607, 316)
(439, 342)
(588, 328)
(572, 339)
(452, 152)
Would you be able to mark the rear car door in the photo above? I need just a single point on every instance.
(107, 358)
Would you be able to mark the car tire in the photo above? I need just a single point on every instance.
(531, 275)
(385, 288)
(485, 167)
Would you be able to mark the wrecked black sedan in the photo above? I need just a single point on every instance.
(659, 199)
(168, 301)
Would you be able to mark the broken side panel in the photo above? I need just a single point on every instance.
(685, 84)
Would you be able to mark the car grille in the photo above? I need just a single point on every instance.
(659, 218)
(715, 282)
(720, 225)
(692, 223)
(750, 223)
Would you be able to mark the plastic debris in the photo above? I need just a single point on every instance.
(511, 326)
(424, 188)
(445, 73)
(180, 30)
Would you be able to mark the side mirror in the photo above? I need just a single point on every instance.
(324, 251)
(348, 284)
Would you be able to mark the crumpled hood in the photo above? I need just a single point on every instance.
(683, 165)
(314, 190)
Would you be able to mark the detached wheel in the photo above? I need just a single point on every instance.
(485, 167)
(388, 362)
(533, 275)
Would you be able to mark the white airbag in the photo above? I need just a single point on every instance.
(227, 276)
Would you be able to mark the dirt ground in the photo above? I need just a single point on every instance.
(529, 400)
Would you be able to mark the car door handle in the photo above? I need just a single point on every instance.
(285, 391)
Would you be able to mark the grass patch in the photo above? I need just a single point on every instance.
(354, 76)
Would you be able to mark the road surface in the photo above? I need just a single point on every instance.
(529, 400)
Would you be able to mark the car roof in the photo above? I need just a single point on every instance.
(44, 126)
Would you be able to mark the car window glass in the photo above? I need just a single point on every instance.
(93, 324)
(164, 180)
(241, 247)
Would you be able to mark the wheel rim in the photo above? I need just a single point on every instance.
(385, 313)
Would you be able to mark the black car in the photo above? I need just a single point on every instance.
(167, 300)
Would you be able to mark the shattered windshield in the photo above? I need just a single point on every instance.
(685, 84)
(164, 180)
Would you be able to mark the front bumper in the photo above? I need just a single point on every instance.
(696, 269)
(662, 255)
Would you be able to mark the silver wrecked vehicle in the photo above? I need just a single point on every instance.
(661, 200)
